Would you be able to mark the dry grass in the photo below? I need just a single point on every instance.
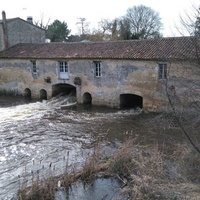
(45, 189)
(147, 172)
(121, 163)
(154, 173)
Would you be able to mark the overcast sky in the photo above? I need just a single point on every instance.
(95, 10)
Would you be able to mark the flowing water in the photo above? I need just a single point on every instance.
(41, 137)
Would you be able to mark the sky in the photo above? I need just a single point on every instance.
(94, 11)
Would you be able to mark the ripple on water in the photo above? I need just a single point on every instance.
(36, 135)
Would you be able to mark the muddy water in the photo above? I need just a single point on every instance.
(40, 138)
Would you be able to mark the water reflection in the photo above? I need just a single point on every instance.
(99, 189)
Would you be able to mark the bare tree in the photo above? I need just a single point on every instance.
(140, 22)
(105, 26)
(191, 23)
(143, 22)
(109, 29)
(185, 102)
(40, 22)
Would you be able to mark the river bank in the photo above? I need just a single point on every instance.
(162, 167)
(144, 172)
(39, 138)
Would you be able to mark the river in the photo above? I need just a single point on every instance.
(39, 137)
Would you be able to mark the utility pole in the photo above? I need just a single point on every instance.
(82, 22)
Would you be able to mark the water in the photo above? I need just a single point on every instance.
(41, 137)
(109, 187)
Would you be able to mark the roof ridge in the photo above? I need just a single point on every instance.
(15, 18)
(146, 49)
(114, 41)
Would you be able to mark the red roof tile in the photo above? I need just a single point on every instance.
(150, 49)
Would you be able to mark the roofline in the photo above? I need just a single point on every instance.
(18, 18)
(124, 41)
(109, 41)
(74, 56)
(98, 58)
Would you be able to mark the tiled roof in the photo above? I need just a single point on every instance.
(150, 49)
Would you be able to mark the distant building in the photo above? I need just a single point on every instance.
(17, 30)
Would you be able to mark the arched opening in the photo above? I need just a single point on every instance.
(63, 89)
(87, 98)
(27, 93)
(131, 101)
(43, 94)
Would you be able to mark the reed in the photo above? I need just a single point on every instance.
(146, 172)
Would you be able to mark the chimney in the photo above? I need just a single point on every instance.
(30, 19)
(5, 30)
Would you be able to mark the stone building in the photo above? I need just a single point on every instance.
(117, 74)
(17, 30)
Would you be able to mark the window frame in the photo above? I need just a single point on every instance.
(34, 67)
(63, 67)
(162, 71)
(98, 68)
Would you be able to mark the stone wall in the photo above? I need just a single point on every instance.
(1, 38)
(20, 31)
(118, 77)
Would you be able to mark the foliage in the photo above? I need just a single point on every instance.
(125, 32)
(58, 31)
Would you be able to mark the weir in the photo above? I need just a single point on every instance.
(63, 89)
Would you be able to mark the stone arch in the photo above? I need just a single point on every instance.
(131, 101)
(43, 94)
(63, 89)
(27, 93)
(87, 98)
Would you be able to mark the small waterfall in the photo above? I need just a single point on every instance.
(61, 101)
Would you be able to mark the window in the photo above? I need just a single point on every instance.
(63, 66)
(162, 71)
(34, 67)
(97, 68)
(63, 70)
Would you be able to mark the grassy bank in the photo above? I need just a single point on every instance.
(155, 161)
(146, 172)
(154, 172)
